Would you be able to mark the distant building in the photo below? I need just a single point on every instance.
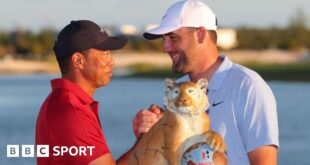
(128, 29)
(227, 38)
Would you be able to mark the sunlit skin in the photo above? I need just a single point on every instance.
(98, 67)
(179, 48)
(91, 69)
(192, 52)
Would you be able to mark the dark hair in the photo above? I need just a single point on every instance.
(64, 63)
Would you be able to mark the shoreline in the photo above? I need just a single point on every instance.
(18, 66)
(128, 60)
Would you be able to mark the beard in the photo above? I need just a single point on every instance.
(180, 64)
(176, 68)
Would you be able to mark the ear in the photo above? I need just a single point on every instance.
(78, 60)
(170, 83)
(201, 34)
(203, 84)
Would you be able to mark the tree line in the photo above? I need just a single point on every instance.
(27, 44)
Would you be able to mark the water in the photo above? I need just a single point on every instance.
(21, 98)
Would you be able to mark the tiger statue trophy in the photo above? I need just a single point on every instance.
(184, 127)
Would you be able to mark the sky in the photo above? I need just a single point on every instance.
(37, 14)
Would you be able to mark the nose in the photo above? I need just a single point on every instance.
(111, 62)
(167, 46)
(183, 101)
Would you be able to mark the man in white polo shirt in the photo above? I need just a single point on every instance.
(242, 106)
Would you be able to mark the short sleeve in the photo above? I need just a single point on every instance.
(258, 123)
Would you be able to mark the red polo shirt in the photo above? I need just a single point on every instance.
(69, 117)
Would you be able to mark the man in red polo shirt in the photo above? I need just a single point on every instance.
(68, 120)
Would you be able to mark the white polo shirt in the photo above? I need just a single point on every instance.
(242, 110)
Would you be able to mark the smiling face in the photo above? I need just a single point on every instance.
(97, 69)
(181, 47)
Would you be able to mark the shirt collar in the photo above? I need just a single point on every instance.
(220, 74)
(74, 88)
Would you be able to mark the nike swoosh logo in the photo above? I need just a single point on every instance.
(215, 104)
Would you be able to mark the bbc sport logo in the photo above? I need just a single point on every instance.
(14, 150)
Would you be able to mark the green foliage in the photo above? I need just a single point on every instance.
(289, 72)
(46, 39)
(289, 38)
(151, 71)
(137, 43)
(294, 36)
(27, 44)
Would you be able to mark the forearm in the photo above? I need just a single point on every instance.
(264, 155)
